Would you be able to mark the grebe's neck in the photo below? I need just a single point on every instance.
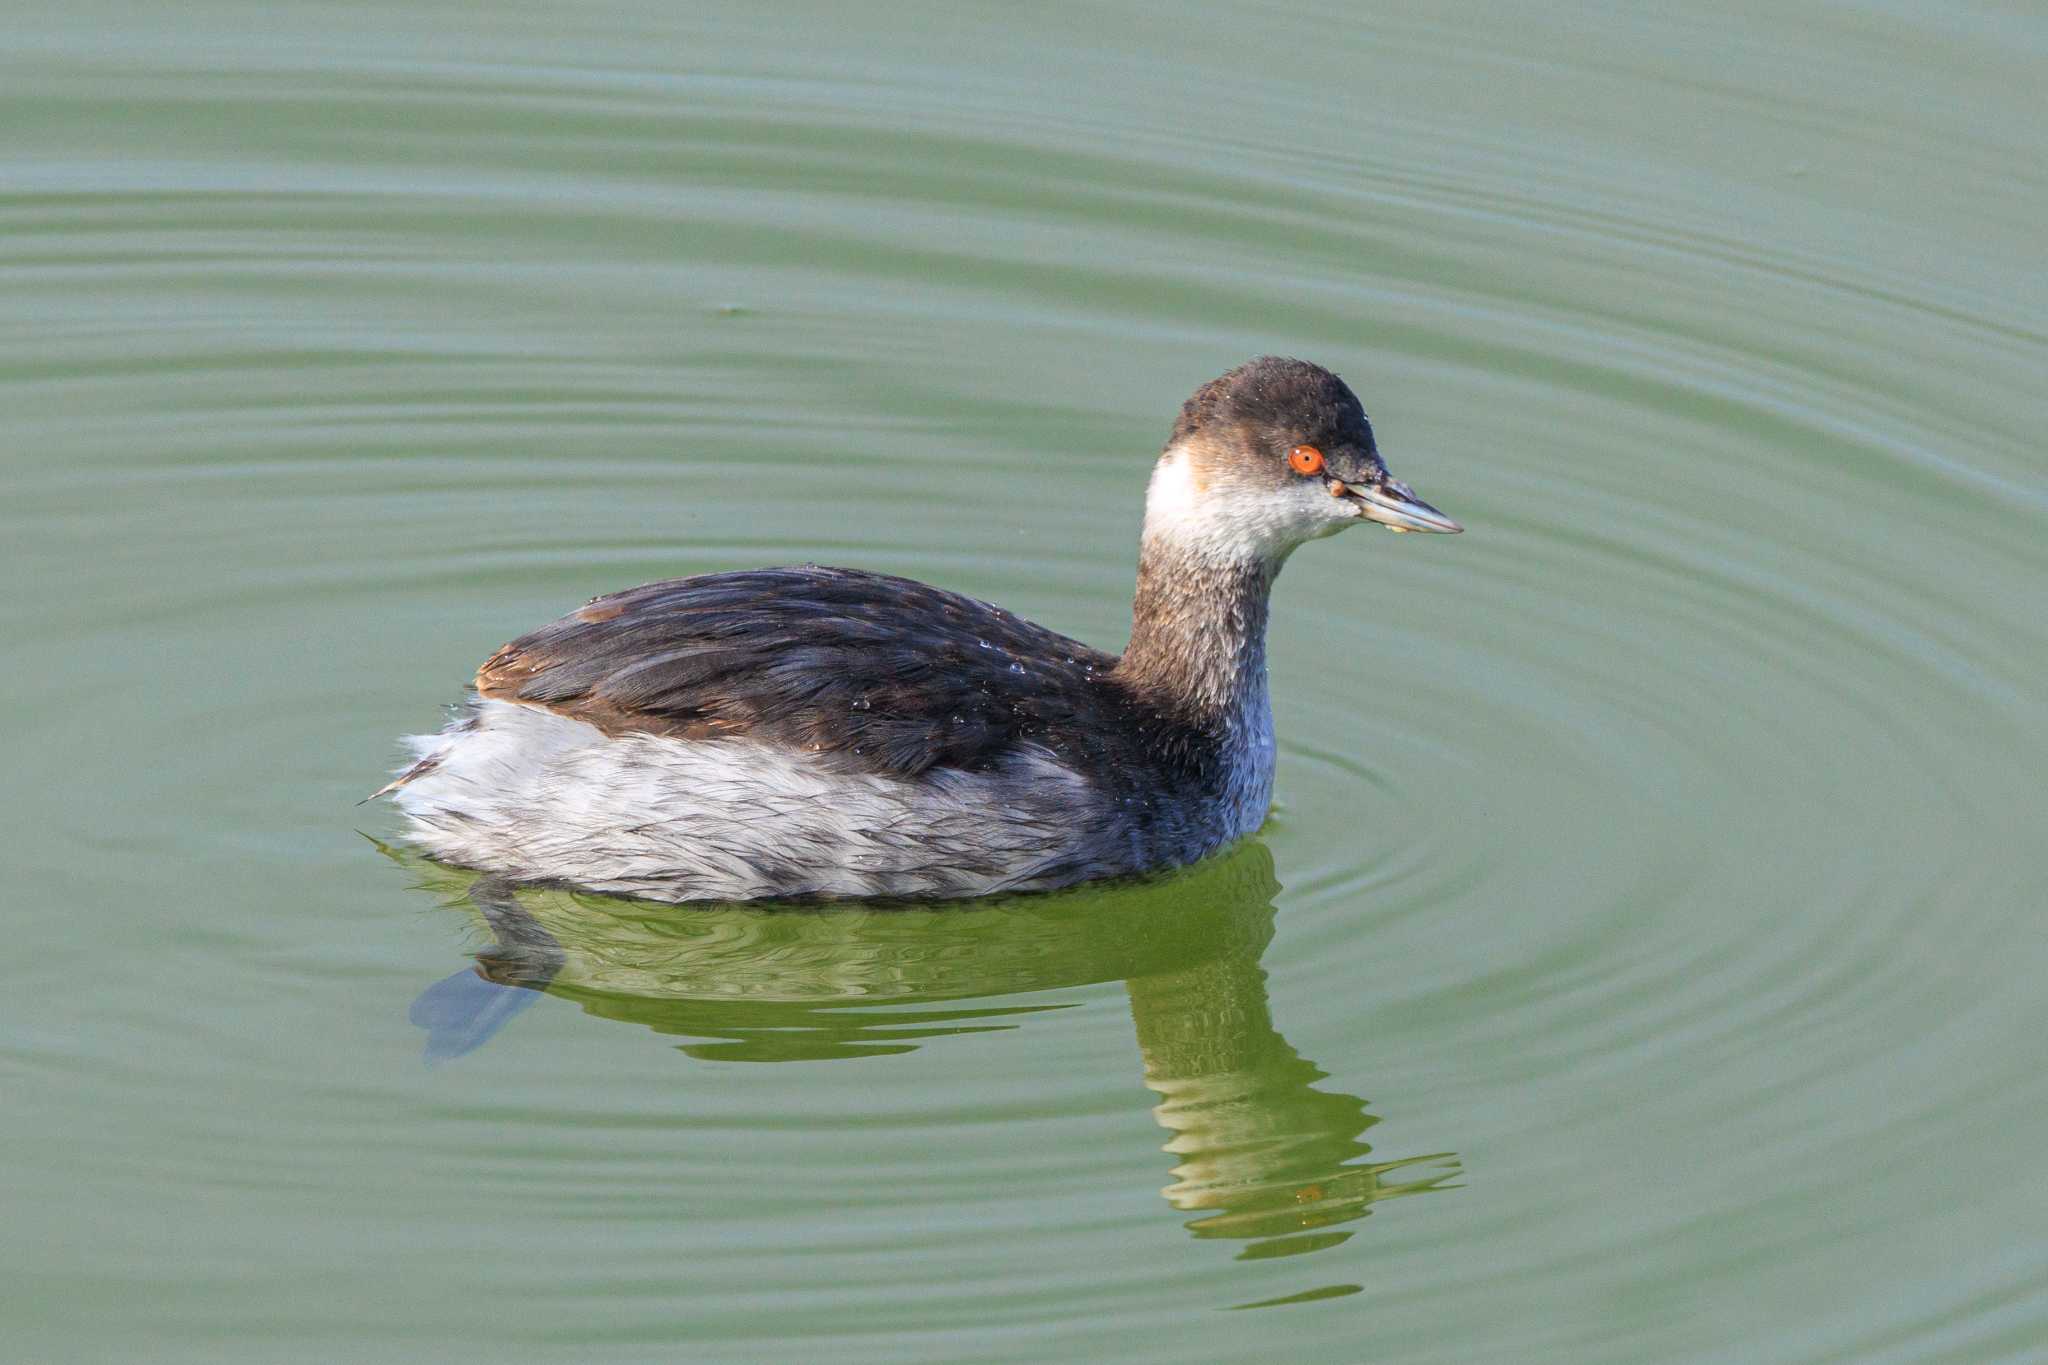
(1198, 624)
(1198, 633)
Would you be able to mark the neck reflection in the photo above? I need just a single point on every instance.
(1261, 1155)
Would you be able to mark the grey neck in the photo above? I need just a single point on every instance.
(1198, 634)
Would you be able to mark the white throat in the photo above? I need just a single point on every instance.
(1197, 514)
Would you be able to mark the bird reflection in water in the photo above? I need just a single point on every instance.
(1262, 1156)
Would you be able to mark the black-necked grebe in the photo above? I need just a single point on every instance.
(816, 732)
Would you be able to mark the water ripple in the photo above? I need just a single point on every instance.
(1663, 846)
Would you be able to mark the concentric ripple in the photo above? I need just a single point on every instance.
(1653, 881)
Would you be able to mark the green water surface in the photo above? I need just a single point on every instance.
(1644, 962)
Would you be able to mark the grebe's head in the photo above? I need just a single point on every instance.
(1275, 453)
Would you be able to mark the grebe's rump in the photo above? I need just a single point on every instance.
(820, 732)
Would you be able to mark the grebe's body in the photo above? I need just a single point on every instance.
(824, 732)
(816, 732)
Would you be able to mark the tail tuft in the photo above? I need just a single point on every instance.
(419, 769)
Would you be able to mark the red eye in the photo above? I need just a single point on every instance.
(1305, 460)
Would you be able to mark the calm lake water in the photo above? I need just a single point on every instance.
(1645, 960)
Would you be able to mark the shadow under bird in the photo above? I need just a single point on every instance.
(829, 733)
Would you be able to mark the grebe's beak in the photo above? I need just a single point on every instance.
(1390, 503)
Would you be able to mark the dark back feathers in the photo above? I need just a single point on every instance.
(887, 674)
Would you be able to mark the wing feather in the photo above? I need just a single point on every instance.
(889, 674)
